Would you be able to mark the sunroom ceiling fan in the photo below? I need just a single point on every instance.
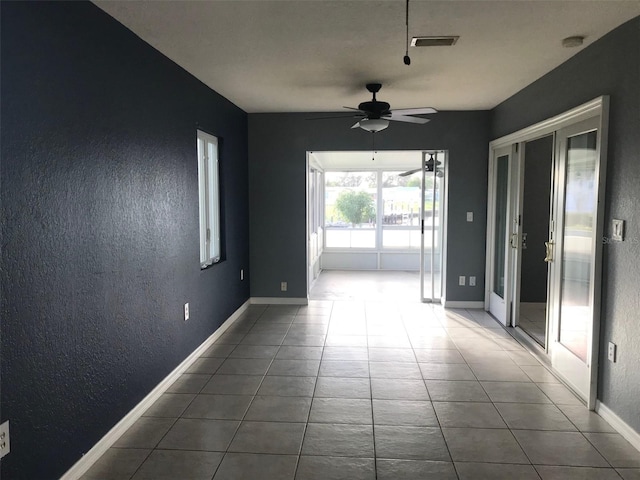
(429, 166)
(374, 116)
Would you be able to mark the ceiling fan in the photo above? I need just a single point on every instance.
(374, 116)
(429, 166)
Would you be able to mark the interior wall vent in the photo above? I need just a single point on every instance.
(434, 41)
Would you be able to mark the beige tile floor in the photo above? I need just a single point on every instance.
(367, 390)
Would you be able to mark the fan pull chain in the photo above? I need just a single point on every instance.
(407, 60)
(373, 146)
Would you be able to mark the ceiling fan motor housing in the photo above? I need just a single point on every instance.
(375, 109)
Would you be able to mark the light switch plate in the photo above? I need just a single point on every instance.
(611, 353)
(186, 312)
(469, 216)
(617, 230)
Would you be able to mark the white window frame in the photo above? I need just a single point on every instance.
(209, 199)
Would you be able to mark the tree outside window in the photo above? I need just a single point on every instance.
(356, 207)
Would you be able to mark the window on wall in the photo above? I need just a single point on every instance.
(401, 210)
(350, 209)
(209, 190)
(375, 209)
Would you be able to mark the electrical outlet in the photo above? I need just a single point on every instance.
(472, 281)
(5, 443)
(283, 286)
(469, 216)
(186, 312)
(462, 280)
(241, 274)
(611, 354)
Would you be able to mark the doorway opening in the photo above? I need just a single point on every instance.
(377, 212)
(530, 313)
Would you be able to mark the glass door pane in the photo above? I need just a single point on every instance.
(502, 199)
(580, 208)
(503, 186)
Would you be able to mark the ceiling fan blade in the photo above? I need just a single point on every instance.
(348, 115)
(410, 172)
(356, 125)
(414, 111)
(405, 118)
(352, 108)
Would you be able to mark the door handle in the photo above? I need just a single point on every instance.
(549, 251)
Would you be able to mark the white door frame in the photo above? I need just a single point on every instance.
(312, 164)
(599, 108)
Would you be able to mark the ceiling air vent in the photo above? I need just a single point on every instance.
(434, 41)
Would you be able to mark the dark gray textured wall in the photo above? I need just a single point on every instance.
(100, 226)
(535, 218)
(611, 66)
(277, 153)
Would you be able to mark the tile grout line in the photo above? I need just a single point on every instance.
(235, 433)
(498, 411)
(373, 426)
(224, 454)
(444, 439)
(306, 425)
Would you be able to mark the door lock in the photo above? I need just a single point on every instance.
(549, 251)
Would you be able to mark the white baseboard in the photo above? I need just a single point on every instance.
(462, 304)
(279, 301)
(89, 458)
(622, 427)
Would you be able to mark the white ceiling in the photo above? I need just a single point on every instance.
(316, 55)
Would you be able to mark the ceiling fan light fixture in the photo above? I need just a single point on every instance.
(374, 125)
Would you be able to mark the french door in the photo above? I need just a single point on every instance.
(503, 168)
(574, 255)
(573, 249)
